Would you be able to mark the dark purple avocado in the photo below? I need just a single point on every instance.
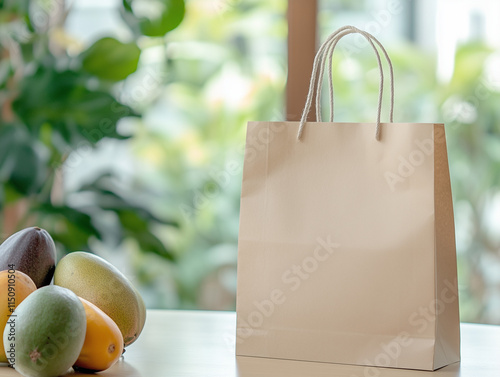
(31, 251)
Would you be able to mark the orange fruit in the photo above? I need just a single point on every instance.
(103, 343)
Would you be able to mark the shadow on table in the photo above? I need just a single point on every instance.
(121, 369)
(257, 366)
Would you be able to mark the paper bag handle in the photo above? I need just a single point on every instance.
(327, 49)
(331, 44)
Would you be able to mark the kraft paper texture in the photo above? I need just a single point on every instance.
(346, 246)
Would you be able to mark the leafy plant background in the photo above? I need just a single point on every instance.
(131, 146)
(58, 102)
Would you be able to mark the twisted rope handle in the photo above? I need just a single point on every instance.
(326, 50)
(330, 49)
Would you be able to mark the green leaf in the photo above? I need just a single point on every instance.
(21, 166)
(155, 24)
(69, 226)
(5, 72)
(110, 59)
(127, 5)
(27, 51)
(63, 101)
(148, 242)
(82, 219)
(134, 222)
(70, 235)
(469, 65)
(25, 170)
(19, 7)
(7, 135)
(11, 195)
(107, 199)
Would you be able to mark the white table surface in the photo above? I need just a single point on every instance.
(198, 343)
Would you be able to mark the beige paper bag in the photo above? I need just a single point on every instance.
(346, 247)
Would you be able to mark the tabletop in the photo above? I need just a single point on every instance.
(201, 343)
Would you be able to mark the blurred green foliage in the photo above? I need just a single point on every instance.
(226, 66)
(469, 106)
(55, 103)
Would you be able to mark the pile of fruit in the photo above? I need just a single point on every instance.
(84, 319)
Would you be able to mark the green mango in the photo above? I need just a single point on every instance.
(46, 332)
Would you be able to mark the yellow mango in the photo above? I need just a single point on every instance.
(103, 343)
(98, 281)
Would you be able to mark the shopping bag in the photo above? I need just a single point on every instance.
(346, 250)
